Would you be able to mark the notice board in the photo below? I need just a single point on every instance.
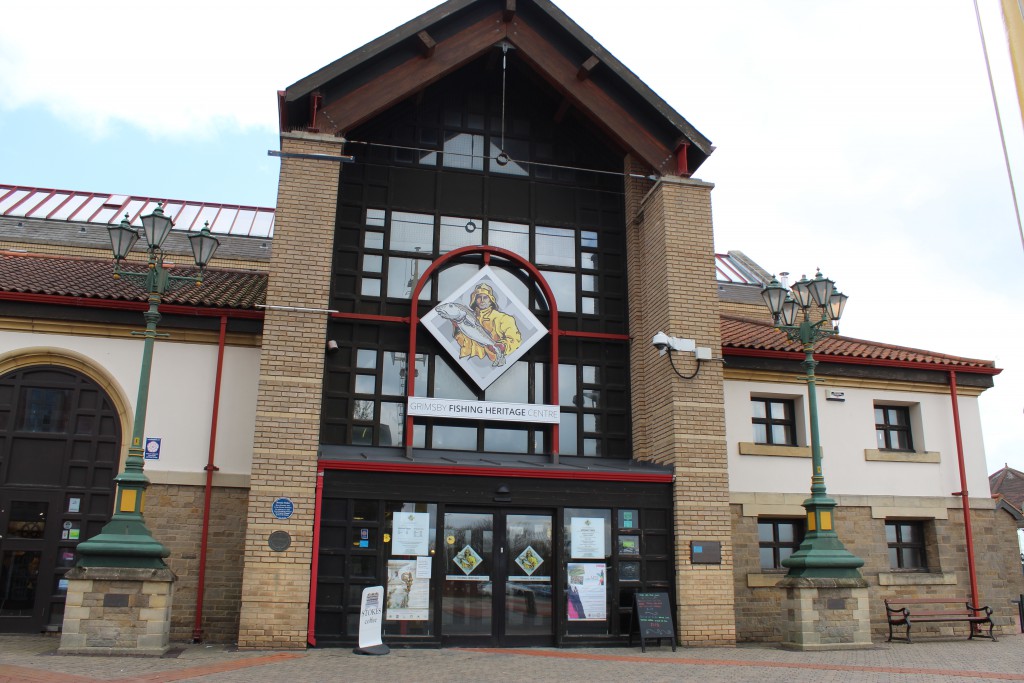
(652, 615)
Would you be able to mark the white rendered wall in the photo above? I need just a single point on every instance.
(847, 429)
(180, 396)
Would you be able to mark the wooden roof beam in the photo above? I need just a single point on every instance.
(509, 13)
(586, 67)
(427, 44)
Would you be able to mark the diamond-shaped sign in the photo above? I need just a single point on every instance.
(484, 327)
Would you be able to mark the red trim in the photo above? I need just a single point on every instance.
(15, 205)
(968, 535)
(88, 198)
(197, 627)
(315, 566)
(170, 309)
(594, 335)
(370, 316)
(59, 206)
(852, 360)
(508, 472)
(414, 320)
(682, 163)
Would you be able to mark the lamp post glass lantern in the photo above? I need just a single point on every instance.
(125, 541)
(821, 554)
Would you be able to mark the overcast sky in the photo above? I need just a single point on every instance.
(855, 136)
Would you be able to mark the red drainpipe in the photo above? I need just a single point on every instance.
(963, 491)
(197, 627)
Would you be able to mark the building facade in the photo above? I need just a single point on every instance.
(482, 210)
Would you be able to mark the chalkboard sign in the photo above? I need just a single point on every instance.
(652, 614)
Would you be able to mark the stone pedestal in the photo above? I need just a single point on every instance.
(825, 614)
(117, 611)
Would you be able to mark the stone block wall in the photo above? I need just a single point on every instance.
(174, 515)
(759, 604)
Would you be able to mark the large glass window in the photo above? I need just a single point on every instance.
(773, 421)
(906, 545)
(892, 428)
(778, 539)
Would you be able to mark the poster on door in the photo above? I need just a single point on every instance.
(408, 596)
(588, 594)
(587, 538)
(411, 533)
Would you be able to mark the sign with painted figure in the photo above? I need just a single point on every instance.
(484, 327)
(408, 594)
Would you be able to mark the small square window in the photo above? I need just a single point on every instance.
(906, 545)
(892, 428)
(777, 540)
(773, 420)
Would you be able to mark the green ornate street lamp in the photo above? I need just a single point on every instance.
(125, 541)
(821, 554)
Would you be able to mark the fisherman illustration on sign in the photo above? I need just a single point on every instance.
(481, 329)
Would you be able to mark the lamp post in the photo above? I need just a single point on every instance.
(125, 541)
(821, 554)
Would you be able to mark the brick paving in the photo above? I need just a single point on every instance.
(33, 659)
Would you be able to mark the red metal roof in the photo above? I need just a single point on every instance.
(757, 335)
(104, 208)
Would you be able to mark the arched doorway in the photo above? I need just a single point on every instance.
(60, 444)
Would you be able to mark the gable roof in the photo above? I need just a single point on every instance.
(405, 61)
(1008, 483)
(747, 334)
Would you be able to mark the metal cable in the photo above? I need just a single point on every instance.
(999, 123)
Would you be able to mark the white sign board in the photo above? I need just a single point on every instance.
(411, 533)
(371, 613)
(483, 410)
(588, 538)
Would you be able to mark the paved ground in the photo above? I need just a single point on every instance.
(33, 659)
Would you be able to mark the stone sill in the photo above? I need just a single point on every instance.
(916, 579)
(749, 448)
(764, 579)
(875, 455)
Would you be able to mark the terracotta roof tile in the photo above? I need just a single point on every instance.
(93, 279)
(748, 333)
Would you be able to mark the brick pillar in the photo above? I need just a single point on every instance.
(678, 422)
(275, 584)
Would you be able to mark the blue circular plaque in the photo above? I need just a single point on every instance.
(282, 508)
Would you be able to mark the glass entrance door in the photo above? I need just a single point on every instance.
(28, 541)
(498, 569)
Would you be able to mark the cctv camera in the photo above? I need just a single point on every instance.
(332, 346)
(660, 342)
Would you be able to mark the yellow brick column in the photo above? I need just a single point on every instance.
(677, 422)
(275, 585)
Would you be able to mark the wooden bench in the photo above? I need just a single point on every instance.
(933, 610)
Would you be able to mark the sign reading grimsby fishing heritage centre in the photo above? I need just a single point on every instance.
(483, 410)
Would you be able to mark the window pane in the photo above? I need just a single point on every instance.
(767, 558)
(366, 384)
(511, 236)
(403, 274)
(591, 374)
(592, 447)
(563, 286)
(366, 358)
(454, 438)
(450, 279)
(779, 434)
(506, 440)
(912, 558)
(589, 306)
(375, 217)
(362, 410)
(567, 434)
(880, 437)
(895, 416)
(894, 558)
(372, 263)
(588, 239)
(370, 286)
(588, 283)
(43, 410)
(511, 387)
(590, 398)
(879, 416)
(362, 435)
(591, 423)
(374, 240)
(765, 532)
(784, 553)
(517, 150)
(786, 533)
(758, 409)
(588, 260)
(460, 232)
(392, 424)
(556, 247)
(778, 410)
(462, 150)
(566, 385)
(447, 384)
(899, 440)
(890, 533)
(760, 434)
(909, 533)
(412, 232)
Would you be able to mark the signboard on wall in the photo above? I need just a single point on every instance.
(483, 410)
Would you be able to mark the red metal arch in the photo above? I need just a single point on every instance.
(414, 319)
